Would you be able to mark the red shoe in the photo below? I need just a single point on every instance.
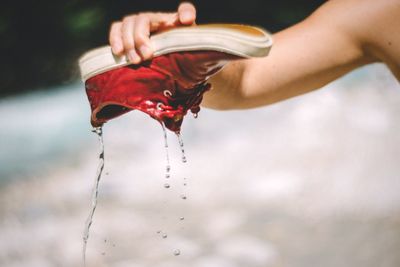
(175, 80)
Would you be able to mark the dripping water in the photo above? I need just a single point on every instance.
(177, 252)
(89, 220)
(164, 235)
(168, 167)
(182, 147)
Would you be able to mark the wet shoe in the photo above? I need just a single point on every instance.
(175, 80)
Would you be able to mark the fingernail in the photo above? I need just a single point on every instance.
(133, 57)
(145, 51)
(117, 48)
(186, 16)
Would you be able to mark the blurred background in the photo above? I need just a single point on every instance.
(312, 181)
(42, 40)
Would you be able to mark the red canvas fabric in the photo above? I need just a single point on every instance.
(165, 88)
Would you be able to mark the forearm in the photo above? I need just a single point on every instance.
(303, 58)
(226, 87)
(339, 37)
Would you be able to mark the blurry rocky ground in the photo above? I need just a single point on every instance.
(313, 181)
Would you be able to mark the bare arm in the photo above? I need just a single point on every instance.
(339, 37)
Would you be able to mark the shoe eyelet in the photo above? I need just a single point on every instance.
(167, 93)
(159, 106)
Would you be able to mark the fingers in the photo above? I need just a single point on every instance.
(187, 13)
(115, 38)
(127, 29)
(132, 35)
(142, 36)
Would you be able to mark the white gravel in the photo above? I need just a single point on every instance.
(313, 181)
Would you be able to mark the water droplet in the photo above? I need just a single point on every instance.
(164, 235)
(159, 232)
(166, 185)
(183, 196)
(177, 252)
(184, 184)
(98, 130)
(181, 218)
(180, 140)
(168, 166)
(195, 115)
(103, 253)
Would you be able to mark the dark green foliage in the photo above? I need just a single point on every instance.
(40, 41)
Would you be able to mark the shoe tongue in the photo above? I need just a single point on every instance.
(190, 69)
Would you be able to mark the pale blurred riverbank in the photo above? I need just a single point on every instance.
(313, 181)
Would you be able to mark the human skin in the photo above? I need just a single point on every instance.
(337, 38)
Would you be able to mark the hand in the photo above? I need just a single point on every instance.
(132, 35)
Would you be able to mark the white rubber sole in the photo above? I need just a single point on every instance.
(240, 40)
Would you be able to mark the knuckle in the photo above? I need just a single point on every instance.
(140, 38)
(128, 41)
(142, 16)
(128, 44)
(114, 40)
(114, 27)
(115, 24)
(128, 19)
(139, 34)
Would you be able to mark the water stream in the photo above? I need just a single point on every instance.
(95, 192)
(168, 166)
(180, 140)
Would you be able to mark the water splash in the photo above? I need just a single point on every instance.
(168, 166)
(180, 140)
(89, 220)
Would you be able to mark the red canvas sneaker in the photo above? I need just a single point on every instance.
(175, 80)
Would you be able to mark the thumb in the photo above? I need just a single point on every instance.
(187, 13)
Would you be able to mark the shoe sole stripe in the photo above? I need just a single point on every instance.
(239, 40)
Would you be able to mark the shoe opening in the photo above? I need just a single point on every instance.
(110, 111)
